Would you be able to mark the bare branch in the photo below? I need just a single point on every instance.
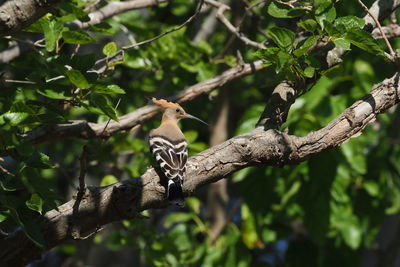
(136, 45)
(256, 148)
(83, 129)
(379, 26)
(220, 15)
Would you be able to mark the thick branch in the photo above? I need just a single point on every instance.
(83, 129)
(17, 14)
(278, 105)
(123, 200)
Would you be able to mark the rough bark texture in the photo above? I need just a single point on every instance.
(259, 147)
(17, 14)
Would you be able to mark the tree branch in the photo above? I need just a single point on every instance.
(277, 108)
(220, 15)
(115, 8)
(84, 129)
(17, 14)
(391, 31)
(103, 205)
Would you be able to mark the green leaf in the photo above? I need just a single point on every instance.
(109, 89)
(325, 12)
(15, 118)
(307, 44)
(372, 188)
(105, 105)
(278, 10)
(282, 37)
(349, 22)
(77, 37)
(35, 203)
(309, 72)
(52, 32)
(342, 43)
(53, 94)
(284, 60)
(83, 62)
(364, 40)
(108, 180)
(39, 160)
(309, 25)
(110, 49)
(77, 78)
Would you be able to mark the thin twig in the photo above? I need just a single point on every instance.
(6, 171)
(392, 54)
(220, 16)
(82, 172)
(108, 122)
(78, 237)
(136, 45)
(18, 81)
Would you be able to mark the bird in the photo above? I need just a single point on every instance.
(169, 148)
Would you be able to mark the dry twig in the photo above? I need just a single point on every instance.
(378, 24)
(220, 15)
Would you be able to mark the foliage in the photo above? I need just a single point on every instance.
(323, 212)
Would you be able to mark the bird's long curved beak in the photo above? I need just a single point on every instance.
(188, 116)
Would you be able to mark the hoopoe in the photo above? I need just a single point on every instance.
(169, 148)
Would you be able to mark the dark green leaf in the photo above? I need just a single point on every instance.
(53, 94)
(77, 37)
(309, 25)
(349, 22)
(278, 10)
(39, 160)
(52, 32)
(76, 77)
(364, 40)
(325, 12)
(307, 44)
(109, 89)
(35, 203)
(282, 37)
(83, 62)
(105, 105)
(342, 43)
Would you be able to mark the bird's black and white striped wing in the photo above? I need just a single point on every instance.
(170, 155)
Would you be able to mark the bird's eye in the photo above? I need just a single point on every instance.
(177, 110)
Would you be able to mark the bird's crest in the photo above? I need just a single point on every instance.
(165, 103)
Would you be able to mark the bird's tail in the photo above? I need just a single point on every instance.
(175, 193)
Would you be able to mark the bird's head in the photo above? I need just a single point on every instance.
(174, 111)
